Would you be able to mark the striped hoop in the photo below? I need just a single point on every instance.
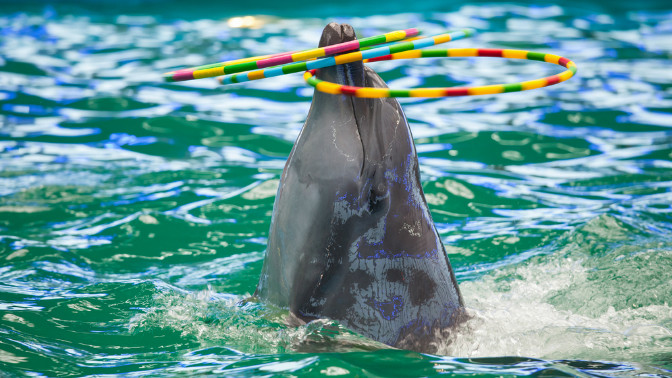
(257, 62)
(407, 47)
(367, 92)
(354, 56)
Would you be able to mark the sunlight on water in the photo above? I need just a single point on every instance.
(134, 213)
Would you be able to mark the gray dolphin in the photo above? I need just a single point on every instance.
(351, 236)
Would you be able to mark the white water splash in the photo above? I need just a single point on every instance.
(570, 306)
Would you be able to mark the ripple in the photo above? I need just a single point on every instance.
(134, 213)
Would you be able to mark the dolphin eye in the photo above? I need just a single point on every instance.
(377, 197)
(374, 201)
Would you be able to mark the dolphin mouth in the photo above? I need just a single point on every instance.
(346, 74)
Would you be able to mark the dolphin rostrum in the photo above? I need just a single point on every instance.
(351, 237)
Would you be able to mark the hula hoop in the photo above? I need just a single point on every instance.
(247, 64)
(401, 44)
(346, 58)
(367, 92)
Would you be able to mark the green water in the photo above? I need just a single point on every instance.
(134, 213)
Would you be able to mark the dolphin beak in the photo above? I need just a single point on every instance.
(349, 73)
(336, 33)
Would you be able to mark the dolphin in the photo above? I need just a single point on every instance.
(351, 236)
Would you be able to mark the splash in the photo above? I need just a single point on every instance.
(575, 303)
(240, 323)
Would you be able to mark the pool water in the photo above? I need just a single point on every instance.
(134, 213)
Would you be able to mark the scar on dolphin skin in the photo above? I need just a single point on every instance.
(351, 236)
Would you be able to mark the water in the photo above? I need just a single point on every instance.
(134, 213)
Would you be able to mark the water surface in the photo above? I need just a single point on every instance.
(134, 213)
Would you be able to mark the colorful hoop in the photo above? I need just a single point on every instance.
(346, 58)
(333, 88)
(408, 48)
(247, 64)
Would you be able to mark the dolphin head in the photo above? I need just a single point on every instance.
(379, 123)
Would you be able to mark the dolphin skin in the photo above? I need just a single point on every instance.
(351, 237)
